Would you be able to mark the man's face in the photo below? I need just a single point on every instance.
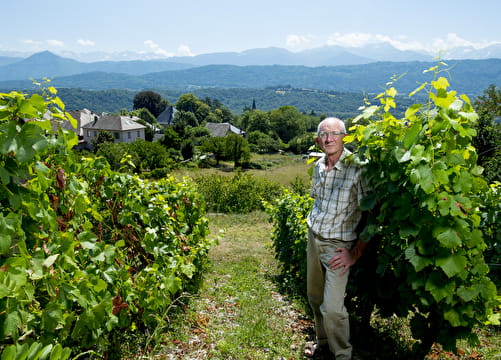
(331, 144)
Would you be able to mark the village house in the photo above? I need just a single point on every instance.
(166, 117)
(83, 117)
(123, 128)
(223, 129)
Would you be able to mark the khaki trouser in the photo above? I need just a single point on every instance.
(326, 291)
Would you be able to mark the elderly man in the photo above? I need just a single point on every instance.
(333, 244)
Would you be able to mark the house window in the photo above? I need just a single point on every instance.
(117, 136)
(138, 133)
(95, 133)
(129, 135)
(88, 133)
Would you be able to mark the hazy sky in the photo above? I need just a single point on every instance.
(192, 27)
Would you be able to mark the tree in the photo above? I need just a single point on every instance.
(145, 115)
(259, 121)
(187, 149)
(237, 149)
(216, 146)
(287, 122)
(171, 139)
(219, 112)
(198, 134)
(190, 103)
(183, 119)
(150, 155)
(101, 138)
(149, 100)
(300, 144)
(262, 143)
(114, 153)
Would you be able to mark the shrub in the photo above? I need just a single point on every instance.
(240, 193)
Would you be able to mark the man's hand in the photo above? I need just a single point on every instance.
(343, 260)
(346, 258)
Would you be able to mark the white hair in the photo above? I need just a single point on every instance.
(332, 119)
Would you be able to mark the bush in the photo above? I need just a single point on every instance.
(240, 193)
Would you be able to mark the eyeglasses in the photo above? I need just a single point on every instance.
(325, 134)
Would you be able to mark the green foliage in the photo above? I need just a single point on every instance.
(241, 193)
(488, 138)
(187, 149)
(491, 228)
(145, 115)
(115, 153)
(151, 155)
(237, 149)
(425, 212)
(102, 138)
(256, 120)
(138, 156)
(216, 146)
(261, 143)
(343, 104)
(185, 119)
(290, 236)
(171, 139)
(85, 252)
(189, 103)
(301, 144)
(219, 112)
(287, 122)
(151, 101)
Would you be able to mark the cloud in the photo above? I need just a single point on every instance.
(86, 42)
(296, 41)
(55, 43)
(32, 42)
(403, 43)
(184, 50)
(157, 50)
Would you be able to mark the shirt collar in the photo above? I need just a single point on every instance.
(340, 164)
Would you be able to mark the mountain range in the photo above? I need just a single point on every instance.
(327, 68)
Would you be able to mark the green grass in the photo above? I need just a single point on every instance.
(238, 312)
(283, 169)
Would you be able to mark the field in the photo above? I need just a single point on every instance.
(283, 169)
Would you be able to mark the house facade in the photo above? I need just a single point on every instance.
(123, 128)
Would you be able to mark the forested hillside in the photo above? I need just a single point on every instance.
(342, 104)
(469, 76)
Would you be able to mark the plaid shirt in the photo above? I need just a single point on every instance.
(337, 193)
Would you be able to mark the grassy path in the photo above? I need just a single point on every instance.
(238, 312)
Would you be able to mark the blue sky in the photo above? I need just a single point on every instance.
(193, 27)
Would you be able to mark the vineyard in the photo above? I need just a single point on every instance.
(89, 255)
(86, 253)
